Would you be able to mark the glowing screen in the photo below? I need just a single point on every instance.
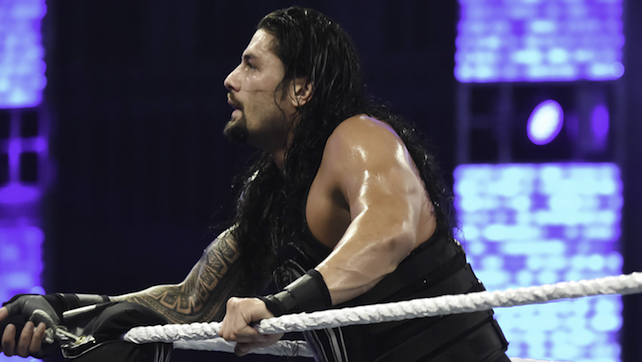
(533, 224)
(22, 69)
(22, 79)
(537, 40)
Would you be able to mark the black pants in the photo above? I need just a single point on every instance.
(107, 326)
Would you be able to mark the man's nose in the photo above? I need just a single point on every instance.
(231, 81)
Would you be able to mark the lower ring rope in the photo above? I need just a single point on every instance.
(280, 348)
(387, 312)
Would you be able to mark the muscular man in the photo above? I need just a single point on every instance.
(342, 206)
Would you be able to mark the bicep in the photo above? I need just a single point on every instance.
(385, 195)
(375, 174)
(385, 201)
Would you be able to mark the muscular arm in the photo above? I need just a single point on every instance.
(202, 295)
(390, 213)
(368, 191)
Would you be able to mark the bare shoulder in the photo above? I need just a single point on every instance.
(362, 127)
(362, 135)
(362, 147)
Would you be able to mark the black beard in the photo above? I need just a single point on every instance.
(236, 131)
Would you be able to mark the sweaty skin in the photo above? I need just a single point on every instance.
(368, 203)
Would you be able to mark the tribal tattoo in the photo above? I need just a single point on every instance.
(202, 296)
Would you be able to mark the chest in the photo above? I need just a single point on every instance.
(327, 213)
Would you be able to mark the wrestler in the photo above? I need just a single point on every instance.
(342, 206)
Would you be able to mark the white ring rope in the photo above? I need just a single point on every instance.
(427, 307)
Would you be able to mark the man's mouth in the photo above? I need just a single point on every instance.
(233, 102)
(235, 129)
(237, 113)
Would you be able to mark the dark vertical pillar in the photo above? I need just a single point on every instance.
(503, 127)
(464, 126)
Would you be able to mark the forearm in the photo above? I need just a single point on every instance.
(186, 303)
(372, 247)
(202, 295)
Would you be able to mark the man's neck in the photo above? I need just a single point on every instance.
(279, 155)
(279, 159)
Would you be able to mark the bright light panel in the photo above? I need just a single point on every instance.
(22, 80)
(22, 69)
(20, 263)
(539, 40)
(20, 260)
(533, 224)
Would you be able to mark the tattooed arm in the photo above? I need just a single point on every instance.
(201, 297)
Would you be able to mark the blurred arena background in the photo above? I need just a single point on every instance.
(114, 173)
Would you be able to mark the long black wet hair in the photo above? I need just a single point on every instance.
(270, 210)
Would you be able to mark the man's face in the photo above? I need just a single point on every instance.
(262, 113)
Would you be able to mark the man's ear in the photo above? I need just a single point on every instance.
(300, 92)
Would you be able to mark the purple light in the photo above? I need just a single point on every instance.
(22, 70)
(22, 79)
(17, 194)
(20, 260)
(535, 41)
(533, 224)
(545, 122)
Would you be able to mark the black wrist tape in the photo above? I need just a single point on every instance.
(62, 302)
(309, 293)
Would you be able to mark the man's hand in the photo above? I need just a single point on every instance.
(236, 326)
(19, 337)
(30, 340)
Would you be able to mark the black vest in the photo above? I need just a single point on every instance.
(437, 267)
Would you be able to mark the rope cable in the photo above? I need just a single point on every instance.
(180, 334)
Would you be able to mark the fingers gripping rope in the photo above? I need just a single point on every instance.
(449, 304)
(204, 337)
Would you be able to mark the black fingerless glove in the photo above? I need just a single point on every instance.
(26, 304)
(21, 309)
(52, 304)
(309, 293)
